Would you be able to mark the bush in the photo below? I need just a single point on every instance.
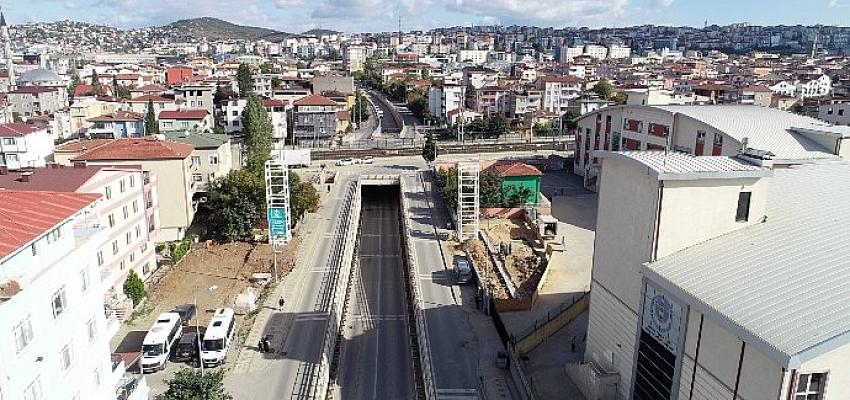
(180, 249)
(134, 287)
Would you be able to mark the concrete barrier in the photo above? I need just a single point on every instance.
(528, 343)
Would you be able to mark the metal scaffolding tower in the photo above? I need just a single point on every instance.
(277, 202)
(467, 200)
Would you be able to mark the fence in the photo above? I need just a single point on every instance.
(556, 319)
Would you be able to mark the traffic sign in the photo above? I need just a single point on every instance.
(277, 222)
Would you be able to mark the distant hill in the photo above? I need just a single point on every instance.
(320, 32)
(216, 29)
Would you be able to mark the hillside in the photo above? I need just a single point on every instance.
(319, 32)
(216, 29)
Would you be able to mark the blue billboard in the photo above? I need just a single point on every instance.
(277, 222)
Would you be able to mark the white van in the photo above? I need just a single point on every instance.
(158, 342)
(218, 336)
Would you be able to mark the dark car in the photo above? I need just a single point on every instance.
(187, 348)
(186, 312)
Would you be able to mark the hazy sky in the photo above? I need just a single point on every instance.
(382, 15)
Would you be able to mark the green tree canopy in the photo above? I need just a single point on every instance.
(235, 204)
(417, 103)
(429, 150)
(360, 109)
(570, 119)
(151, 124)
(95, 81)
(134, 287)
(189, 384)
(303, 196)
(490, 185)
(257, 128)
(603, 88)
(243, 78)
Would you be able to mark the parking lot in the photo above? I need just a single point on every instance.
(211, 276)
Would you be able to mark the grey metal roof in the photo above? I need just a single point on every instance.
(682, 166)
(39, 75)
(782, 285)
(765, 128)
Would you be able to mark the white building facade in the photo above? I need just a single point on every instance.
(23, 145)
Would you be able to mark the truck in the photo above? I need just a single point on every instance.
(295, 158)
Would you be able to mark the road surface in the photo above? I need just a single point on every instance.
(454, 356)
(376, 361)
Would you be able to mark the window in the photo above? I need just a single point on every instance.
(33, 390)
(84, 280)
(126, 212)
(213, 159)
(235, 123)
(9, 141)
(114, 247)
(135, 206)
(234, 113)
(59, 302)
(111, 219)
(146, 268)
(91, 329)
(718, 145)
(196, 160)
(128, 236)
(810, 386)
(138, 231)
(99, 258)
(108, 191)
(743, 213)
(122, 186)
(23, 334)
(122, 265)
(840, 111)
(197, 178)
(699, 147)
(34, 249)
(829, 111)
(144, 247)
(133, 256)
(132, 180)
(65, 357)
(96, 377)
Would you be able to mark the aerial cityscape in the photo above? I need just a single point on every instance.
(435, 200)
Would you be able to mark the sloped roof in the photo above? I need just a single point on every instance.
(151, 97)
(765, 128)
(60, 179)
(137, 149)
(81, 145)
(783, 284)
(675, 165)
(199, 140)
(118, 116)
(314, 100)
(17, 129)
(186, 114)
(25, 215)
(514, 169)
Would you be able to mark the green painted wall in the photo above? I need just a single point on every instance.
(531, 182)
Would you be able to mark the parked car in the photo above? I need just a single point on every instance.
(463, 271)
(366, 160)
(187, 349)
(186, 312)
(345, 161)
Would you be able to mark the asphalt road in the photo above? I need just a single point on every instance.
(453, 353)
(388, 124)
(376, 361)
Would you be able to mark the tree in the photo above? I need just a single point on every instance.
(134, 287)
(429, 150)
(497, 125)
(75, 80)
(490, 193)
(603, 88)
(569, 119)
(95, 81)
(619, 98)
(417, 104)
(303, 197)
(115, 83)
(267, 68)
(189, 384)
(257, 127)
(123, 92)
(243, 78)
(360, 109)
(151, 124)
(235, 204)
(447, 182)
(276, 82)
(470, 95)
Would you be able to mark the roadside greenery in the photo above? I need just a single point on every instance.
(429, 150)
(191, 384)
(490, 193)
(134, 287)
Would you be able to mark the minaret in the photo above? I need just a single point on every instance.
(7, 48)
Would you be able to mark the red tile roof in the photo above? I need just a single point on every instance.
(32, 90)
(80, 146)
(26, 215)
(60, 179)
(149, 88)
(137, 149)
(17, 129)
(275, 103)
(187, 114)
(562, 79)
(314, 100)
(127, 77)
(118, 116)
(156, 99)
(514, 169)
(343, 115)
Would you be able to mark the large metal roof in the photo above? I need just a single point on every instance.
(682, 166)
(765, 128)
(782, 285)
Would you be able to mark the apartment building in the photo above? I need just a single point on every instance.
(55, 341)
(24, 145)
(717, 130)
(558, 91)
(354, 57)
(29, 101)
(198, 97)
(117, 125)
(160, 103)
(195, 121)
(695, 296)
(86, 108)
(314, 119)
(838, 112)
(169, 161)
(128, 210)
(211, 156)
(443, 99)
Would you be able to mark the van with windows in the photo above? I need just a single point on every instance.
(463, 271)
(218, 336)
(159, 340)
